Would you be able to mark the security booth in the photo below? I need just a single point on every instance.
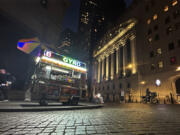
(58, 78)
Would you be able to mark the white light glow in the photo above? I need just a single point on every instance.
(60, 70)
(98, 95)
(63, 63)
(158, 82)
(56, 69)
(48, 67)
(37, 59)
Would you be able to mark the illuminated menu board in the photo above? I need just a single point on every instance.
(64, 59)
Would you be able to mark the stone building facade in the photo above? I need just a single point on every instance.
(144, 53)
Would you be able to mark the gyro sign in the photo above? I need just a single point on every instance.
(64, 59)
(71, 61)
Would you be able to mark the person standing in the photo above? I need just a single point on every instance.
(4, 86)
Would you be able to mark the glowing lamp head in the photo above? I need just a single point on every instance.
(142, 82)
(98, 95)
(130, 66)
(158, 82)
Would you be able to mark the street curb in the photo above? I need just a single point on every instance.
(49, 109)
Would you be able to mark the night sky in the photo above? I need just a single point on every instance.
(71, 19)
(15, 61)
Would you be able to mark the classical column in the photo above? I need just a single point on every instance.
(112, 65)
(102, 69)
(124, 59)
(107, 67)
(98, 71)
(117, 61)
(133, 53)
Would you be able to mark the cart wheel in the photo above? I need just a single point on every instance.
(65, 103)
(75, 101)
(154, 101)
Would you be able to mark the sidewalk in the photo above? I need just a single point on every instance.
(34, 106)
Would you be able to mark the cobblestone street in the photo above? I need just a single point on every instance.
(128, 119)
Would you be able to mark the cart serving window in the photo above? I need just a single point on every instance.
(60, 78)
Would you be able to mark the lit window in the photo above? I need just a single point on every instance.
(103, 18)
(155, 17)
(148, 21)
(166, 8)
(95, 30)
(174, 3)
(169, 30)
(150, 39)
(160, 64)
(159, 51)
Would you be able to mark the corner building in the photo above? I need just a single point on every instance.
(140, 52)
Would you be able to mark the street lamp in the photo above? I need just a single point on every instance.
(158, 82)
(142, 82)
(129, 66)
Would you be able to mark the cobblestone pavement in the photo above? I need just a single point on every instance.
(128, 119)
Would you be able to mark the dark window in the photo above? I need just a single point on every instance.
(114, 61)
(171, 46)
(179, 43)
(108, 87)
(156, 27)
(128, 85)
(176, 14)
(152, 67)
(151, 54)
(44, 3)
(149, 31)
(177, 25)
(152, 3)
(103, 88)
(167, 20)
(156, 37)
(147, 8)
(120, 85)
(173, 60)
(113, 86)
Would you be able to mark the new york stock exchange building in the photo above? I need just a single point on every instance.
(114, 69)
